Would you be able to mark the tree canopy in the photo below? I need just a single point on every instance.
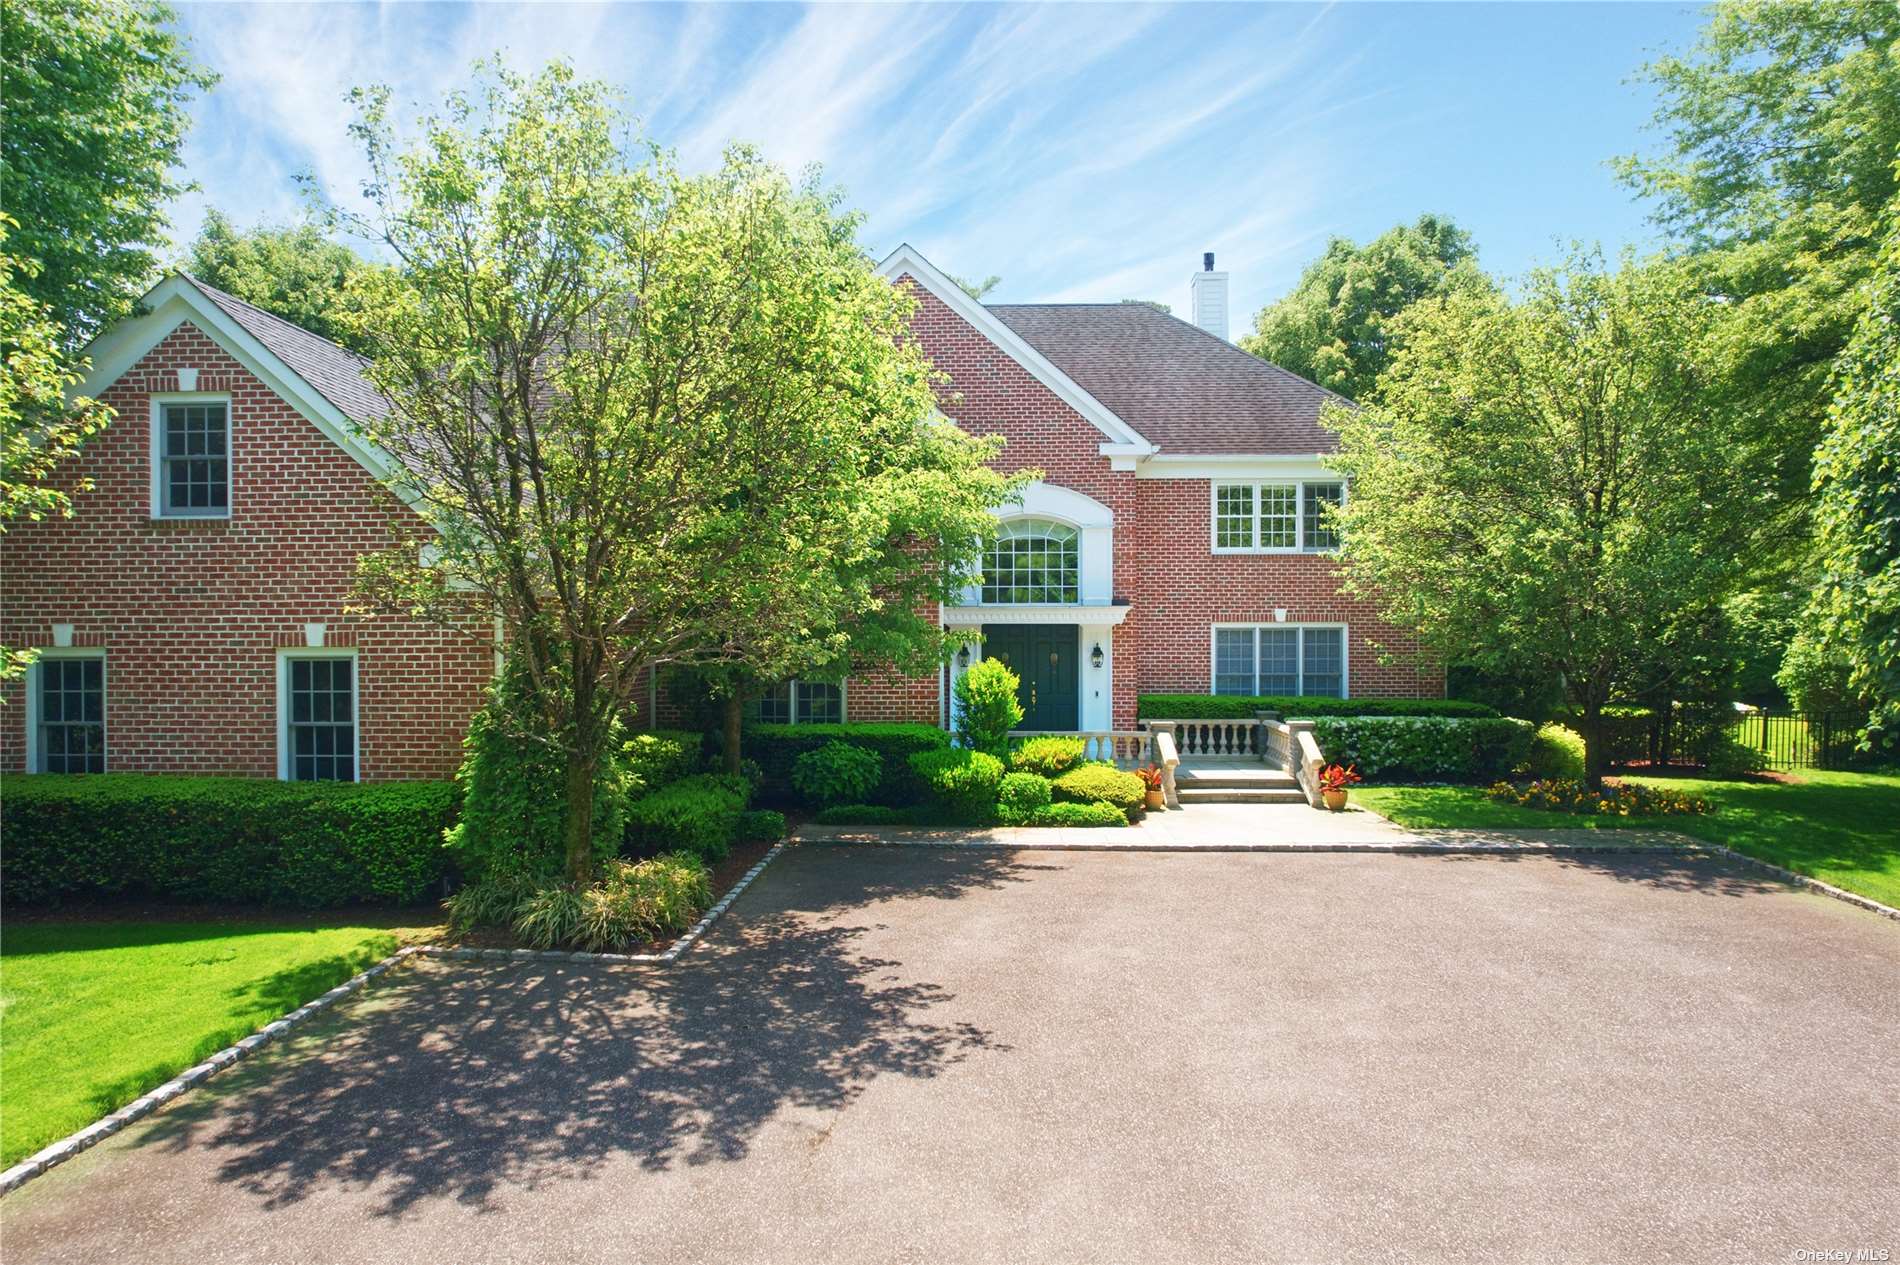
(1553, 481)
(96, 97)
(1335, 327)
(296, 272)
(655, 418)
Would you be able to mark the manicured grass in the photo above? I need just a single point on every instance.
(94, 1013)
(1842, 828)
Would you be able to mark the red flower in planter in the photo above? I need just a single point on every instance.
(1334, 778)
(1151, 775)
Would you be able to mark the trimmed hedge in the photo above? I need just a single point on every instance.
(761, 825)
(866, 815)
(1235, 707)
(837, 773)
(1019, 796)
(1047, 757)
(961, 781)
(1556, 752)
(777, 748)
(699, 814)
(1102, 783)
(1094, 814)
(1425, 748)
(306, 845)
(660, 757)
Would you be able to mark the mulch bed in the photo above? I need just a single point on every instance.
(728, 872)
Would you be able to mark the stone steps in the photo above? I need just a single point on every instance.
(1192, 794)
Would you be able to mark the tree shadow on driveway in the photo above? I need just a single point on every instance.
(454, 1080)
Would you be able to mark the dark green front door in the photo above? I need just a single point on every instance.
(1043, 656)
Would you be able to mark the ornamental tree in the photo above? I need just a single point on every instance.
(652, 418)
(1554, 481)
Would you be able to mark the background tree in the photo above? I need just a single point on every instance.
(1856, 611)
(40, 427)
(1156, 304)
(1552, 480)
(296, 272)
(96, 97)
(977, 290)
(643, 410)
(1334, 328)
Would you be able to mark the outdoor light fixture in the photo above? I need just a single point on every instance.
(1095, 655)
(963, 655)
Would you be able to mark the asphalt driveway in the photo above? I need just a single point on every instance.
(928, 1055)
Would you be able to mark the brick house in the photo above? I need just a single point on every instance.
(190, 614)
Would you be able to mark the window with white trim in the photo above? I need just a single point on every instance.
(69, 695)
(798, 702)
(1033, 561)
(1289, 516)
(318, 705)
(1280, 659)
(192, 447)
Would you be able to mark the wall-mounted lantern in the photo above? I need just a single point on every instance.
(1095, 656)
(963, 655)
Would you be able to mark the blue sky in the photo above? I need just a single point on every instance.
(1081, 152)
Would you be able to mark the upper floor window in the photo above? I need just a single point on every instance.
(800, 703)
(193, 451)
(1281, 517)
(69, 725)
(1033, 561)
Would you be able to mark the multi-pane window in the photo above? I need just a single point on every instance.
(1033, 561)
(801, 703)
(194, 460)
(1276, 517)
(320, 694)
(1280, 660)
(72, 714)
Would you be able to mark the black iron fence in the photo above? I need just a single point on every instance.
(1800, 740)
(1695, 735)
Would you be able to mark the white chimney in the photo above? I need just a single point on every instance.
(1207, 298)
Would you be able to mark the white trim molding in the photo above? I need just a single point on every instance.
(1236, 467)
(968, 616)
(1094, 523)
(285, 655)
(1122, 442)
(34, 756)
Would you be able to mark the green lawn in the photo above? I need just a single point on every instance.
(1842, 828)
(94, 1013)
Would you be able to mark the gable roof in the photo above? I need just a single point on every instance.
(1180, 386)
(335, 372)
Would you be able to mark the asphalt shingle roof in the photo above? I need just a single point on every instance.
(333, 372)
(1178, 385)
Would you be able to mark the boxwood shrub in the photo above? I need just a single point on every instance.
(1101, 783)
(960, 781)
(219, 840)
(1093, 814)
(1425, 748)
(1236, 707)
(837, 773)
(777, 748)
(1047, 756)
(698, 814)
(660, 757)
(1019, 796)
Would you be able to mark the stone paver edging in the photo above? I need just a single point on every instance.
(145, 1104)
(1804, 880)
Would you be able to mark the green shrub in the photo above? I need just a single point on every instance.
(1234, 707)
(777, 748)
(514, 791)
(1424, 748)
(1048, 757)
(1556, 752)
(761, 825)
(219, 840)
(1723, 756)
(837, 773)
(986, 706)
(631, 904)
(699, 814)
(1101, 783)
(1071, 814)
(1019, 796)
(962, 782)
(661, 757)
(866, 815)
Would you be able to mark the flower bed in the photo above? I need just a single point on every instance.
(1567, 795)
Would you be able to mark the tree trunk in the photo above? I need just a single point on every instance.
(1595, 762)
(580, 816)
(734, 714)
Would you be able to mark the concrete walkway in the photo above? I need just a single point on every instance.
(1254, 828)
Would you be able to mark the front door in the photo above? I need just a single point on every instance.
(1043, 656)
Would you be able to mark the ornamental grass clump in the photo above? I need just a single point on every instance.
(1569, 795)
(632, 903)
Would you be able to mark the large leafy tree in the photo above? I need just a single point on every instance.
(656, 419)
(1856, 610)
(96, 97)
(1553, 481)
(296, 272)
(1335, 327)
(1779, 132)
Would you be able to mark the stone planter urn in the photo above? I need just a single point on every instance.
(1157, 800)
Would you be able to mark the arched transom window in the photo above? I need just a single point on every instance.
(1032, 561)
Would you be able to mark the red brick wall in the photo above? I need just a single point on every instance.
(191, 612)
